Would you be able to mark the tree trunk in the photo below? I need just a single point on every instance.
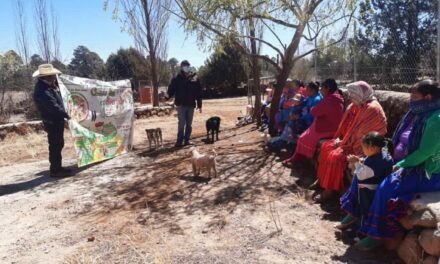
(255, 74)
(287, 64)
(274, 105)
(257, 91)
(152, 52)
(155, 82)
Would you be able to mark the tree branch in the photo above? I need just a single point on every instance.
(265, 42)
(270, 18)
(329, 45)
(276, 36)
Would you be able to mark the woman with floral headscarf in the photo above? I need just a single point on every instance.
(363, 116)
(417, 172)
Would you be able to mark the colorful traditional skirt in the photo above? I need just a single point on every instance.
(392, 201)
(357, 201)
(332, 165)
(308, 141)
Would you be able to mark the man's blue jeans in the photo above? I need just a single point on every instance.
(185, 117)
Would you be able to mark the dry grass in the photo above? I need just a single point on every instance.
(29, 147)
(82, 257)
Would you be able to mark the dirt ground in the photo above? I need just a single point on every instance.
(147, 207)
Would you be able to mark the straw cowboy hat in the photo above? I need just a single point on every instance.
(45, 70)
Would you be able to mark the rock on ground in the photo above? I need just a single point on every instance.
(430, 260)
(410, 251)
(430, 241)
(422, 218)
(430, 201)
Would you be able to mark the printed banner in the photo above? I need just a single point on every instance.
(102, 115)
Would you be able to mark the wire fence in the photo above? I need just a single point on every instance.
(384, 59)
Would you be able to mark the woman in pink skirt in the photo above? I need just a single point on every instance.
(327, 116)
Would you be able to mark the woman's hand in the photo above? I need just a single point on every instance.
(353, 158)
(395, 168)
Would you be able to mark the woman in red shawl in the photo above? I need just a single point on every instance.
(363, 115)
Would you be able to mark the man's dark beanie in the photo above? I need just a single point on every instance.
(184, 63)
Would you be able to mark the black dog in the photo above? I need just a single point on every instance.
(212, 125)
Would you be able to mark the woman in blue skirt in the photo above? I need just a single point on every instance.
(417, 172)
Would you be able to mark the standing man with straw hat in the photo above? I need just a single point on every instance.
(48, 99)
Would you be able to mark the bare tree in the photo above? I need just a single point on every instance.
(254, 29)
(21, 32)
(43, 29)
(305, 19)
(56, 55)
(22, 38)
(147, 21)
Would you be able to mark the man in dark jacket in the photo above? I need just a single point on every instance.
(186, 89)
(48, 99)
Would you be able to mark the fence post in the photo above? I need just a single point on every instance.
(354, 53)
(438, 41)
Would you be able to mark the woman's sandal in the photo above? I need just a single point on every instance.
(324, 196)
(367, 244)
(346, 223)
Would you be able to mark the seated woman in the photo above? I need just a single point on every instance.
(418, 172)
(265, 106)
(363, 115)
(294, 127)
(286, 104)
(370, 172)
(326, 118)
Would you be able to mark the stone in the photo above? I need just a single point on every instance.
(3, 134)
(430, 201)
(430, 260)
(429, 239)
(421, 218)
(410, 251)
(406, 222)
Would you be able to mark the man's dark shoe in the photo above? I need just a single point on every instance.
(178, 145)
(66, 170)
(61, 173)
(188, 143)
(58, 174)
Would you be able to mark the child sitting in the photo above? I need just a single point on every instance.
(369, 173)
(294, 127)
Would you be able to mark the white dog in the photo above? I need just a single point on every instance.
(203, 161)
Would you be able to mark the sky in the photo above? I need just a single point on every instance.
(85, 22)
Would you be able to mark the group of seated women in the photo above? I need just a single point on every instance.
(388, 174)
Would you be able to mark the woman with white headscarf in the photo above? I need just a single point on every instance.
(363, 116)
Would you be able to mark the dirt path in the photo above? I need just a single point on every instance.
(146, 207)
